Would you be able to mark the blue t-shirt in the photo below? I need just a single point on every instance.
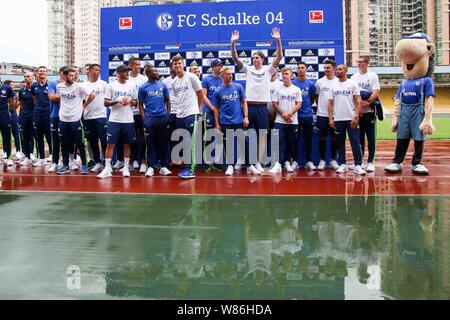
(153, 95)
(26, 101)
(211, 84)
(228, 100)
(308, 89)
(42, 102)
(410, 90)
(6, 92)
(54, 106)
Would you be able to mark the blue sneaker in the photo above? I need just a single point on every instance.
(84, 170)
(187, 174)
(62, 170)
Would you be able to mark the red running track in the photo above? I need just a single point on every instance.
(437, 159)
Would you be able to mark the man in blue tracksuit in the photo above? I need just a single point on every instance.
(154, 105)
(41, 117)
(25, 99)
(6, 105)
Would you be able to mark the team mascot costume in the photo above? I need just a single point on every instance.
(413, 107)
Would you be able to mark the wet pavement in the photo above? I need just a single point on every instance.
(118, 246)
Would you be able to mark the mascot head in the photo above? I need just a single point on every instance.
(416, 53)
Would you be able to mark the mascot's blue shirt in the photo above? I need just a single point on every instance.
(411, 90)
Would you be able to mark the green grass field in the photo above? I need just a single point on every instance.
(442, 126)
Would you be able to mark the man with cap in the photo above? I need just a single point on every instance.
(121, 96)
(210, 85)
(257, 90)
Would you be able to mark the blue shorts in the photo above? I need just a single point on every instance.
(409, 120)
(120, 133)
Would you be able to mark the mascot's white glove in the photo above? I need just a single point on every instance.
(427, 124)
(395, 114)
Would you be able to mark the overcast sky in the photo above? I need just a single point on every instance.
(23, 26)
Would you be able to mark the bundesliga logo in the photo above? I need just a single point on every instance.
(165, 21)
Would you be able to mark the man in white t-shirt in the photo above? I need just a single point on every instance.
(71, 95)
(94, 118)
(344, 110)
(286, 100)
(257, 90)
(138, 147)
(369, 87)
(121, 96)
(173, 108)
(323, 88)
(189, 94)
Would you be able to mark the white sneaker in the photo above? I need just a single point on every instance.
(251, 169)
(32, 157)
(394, 168)
(370, 167)
(288, 167)
(310, 166)
(52, 167)
(321, 165)
(229, 171)
(19, 156)
(135, 165)
(104, 174)
(294, 165)
(130, 168)
(118, 165)
(26, 162)
(150, 172)
(143, 168)
(342, 168)
(97, 168)
(420, 169)
(259, 167)
(49, 158)
(73, 165)
(238, 165)
(165, 172)
(125, 172)
(276, 168)
(359, 170)
(334, 165)
(78, 160)
(9, 162)
(352, 166)
(40, 163)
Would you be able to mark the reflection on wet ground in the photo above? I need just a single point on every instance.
(217, 247)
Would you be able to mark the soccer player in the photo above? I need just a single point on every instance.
(71, 95)
(173, 107)
(369, 87)
(189, 94)
(195, 70)
(210, 85)
(41, 116)
(230, 109)
(138, 146)
(323, 89)
(257, 89)
(121, 96)
(94, 117)
(24, 98)
(286, 100)
(154, 104)
(305, 114)
(54, 118)
(6, 104)
(344, 110)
